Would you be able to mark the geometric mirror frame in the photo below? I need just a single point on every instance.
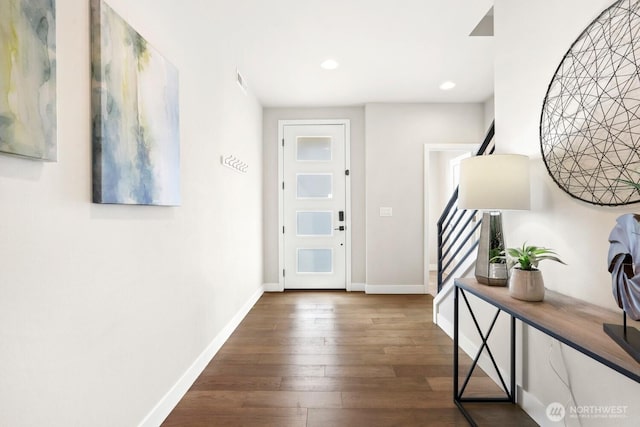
(590, 121)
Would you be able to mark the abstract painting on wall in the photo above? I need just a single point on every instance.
(28, 78)
(135, 117)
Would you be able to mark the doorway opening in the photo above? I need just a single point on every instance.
(441, 166)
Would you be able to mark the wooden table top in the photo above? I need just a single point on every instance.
(570, 320)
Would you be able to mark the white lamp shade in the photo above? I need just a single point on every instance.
(494, 182)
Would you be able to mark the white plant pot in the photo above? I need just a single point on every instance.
(526, 285)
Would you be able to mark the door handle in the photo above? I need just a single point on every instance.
(341, 228)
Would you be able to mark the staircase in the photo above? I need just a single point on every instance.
(458, 229)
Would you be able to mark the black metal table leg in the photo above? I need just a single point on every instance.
(513, 360)
(456, 387)
(457, 391)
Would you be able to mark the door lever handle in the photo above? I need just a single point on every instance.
(341, 228)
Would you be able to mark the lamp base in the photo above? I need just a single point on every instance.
(491, 244)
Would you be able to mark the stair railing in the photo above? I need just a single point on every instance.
(457, 237)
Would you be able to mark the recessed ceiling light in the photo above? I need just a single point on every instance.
(447, 85)
(330, 64)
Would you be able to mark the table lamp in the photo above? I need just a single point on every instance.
(493, 183)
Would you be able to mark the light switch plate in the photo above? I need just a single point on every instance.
(386, 211)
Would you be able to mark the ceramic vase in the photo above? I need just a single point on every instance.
(526, 285)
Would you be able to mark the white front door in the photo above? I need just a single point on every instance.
(314, 205)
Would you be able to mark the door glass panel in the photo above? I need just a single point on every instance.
(315, 261)
(314, 186)
(315, 223)
(314, 148)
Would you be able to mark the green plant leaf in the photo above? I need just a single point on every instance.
(528, 257)
(514, 252)
(552, 258)
(635, 185)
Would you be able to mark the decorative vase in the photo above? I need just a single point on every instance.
(526, 285)
(498, 275)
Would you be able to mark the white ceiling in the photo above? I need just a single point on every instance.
(388, 50)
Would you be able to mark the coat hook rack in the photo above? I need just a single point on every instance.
(234, 163)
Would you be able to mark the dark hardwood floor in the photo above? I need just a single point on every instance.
(334, 359)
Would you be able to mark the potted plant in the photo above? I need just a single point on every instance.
(525, 281)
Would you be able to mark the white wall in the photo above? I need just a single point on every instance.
(103, 308)
(489, 112)
(440, 191)
(527, 56)
(577, 230)
(437, 184)
(387, 140)
(396, 134)
(271, 186)
(531, 39)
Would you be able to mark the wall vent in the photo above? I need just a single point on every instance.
(241, 81)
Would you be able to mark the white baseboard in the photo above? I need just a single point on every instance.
(533, 407)
(363, 287)
(272, 287)
(438, 299)
(275, 287)
(169, 401)
(445, 325)
(395, 289)
(358, 287)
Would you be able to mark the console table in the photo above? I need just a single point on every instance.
(569, 320)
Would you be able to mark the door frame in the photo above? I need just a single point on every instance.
(347, 160)
(428, 149)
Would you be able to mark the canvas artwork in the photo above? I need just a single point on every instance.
(136, 141)
(28, 78)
